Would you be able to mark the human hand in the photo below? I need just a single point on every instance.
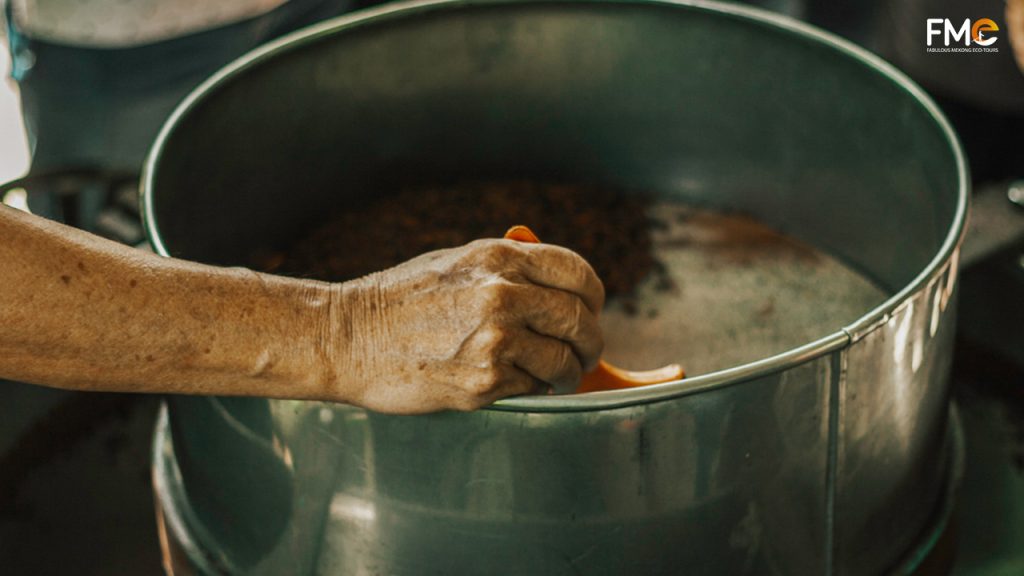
(463, 327)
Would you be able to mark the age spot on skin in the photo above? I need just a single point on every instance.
(133, 283)
(81, 266)
(149, 358)
(65, 279)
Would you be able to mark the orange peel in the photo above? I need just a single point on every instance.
(606, 376)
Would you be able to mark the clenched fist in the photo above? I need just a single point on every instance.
(461, 328)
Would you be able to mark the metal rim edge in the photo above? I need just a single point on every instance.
(620, 398)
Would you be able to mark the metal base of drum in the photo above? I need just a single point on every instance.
(185, 552)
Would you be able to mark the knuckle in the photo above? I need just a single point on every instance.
(466, 403)
(486, 382)
(598, 346)
(579, 262)
(576, 317)
(589, 278)
(483, 244)
(590, 362)
(568, 316)
(492, 340)
(472, 254)
(491, 251)
(571, 371)
(575, 263)
(592, 344)
(498, 295)
(599, 288)
(586, 276)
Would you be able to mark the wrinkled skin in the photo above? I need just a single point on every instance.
(453, 329)
(464, 327)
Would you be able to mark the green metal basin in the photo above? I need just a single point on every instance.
(829, 457)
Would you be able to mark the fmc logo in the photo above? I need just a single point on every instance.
(980, 34)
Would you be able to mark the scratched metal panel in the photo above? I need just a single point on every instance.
(726, 482)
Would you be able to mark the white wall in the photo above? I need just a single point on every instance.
(13, 148)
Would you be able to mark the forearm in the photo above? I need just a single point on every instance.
(80, 312)
(452, 329)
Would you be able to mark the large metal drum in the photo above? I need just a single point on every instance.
(827, 457)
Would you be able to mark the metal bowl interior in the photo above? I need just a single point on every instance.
(711, 105)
